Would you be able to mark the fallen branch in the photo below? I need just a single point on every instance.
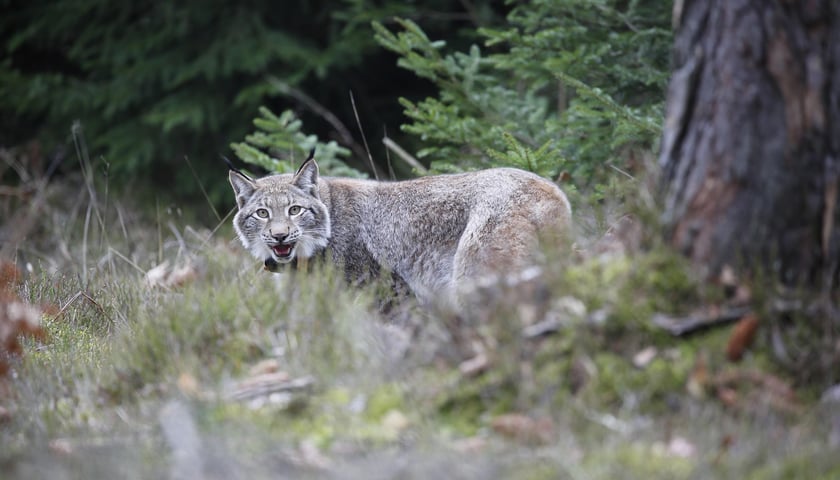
(700, 320)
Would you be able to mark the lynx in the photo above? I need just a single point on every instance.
(435, 234)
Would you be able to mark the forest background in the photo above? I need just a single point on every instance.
(159, 93)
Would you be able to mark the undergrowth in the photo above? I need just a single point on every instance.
(148, 374)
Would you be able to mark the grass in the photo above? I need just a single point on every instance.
(136, 380)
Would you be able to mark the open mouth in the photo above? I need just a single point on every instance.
(283, 251)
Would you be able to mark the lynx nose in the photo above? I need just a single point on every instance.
(279, 236)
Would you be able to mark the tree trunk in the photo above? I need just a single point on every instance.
(752, 136)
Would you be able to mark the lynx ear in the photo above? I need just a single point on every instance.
(243, 187)
(306, 177)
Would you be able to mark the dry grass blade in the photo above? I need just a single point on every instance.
(203, 190)
(362, 132)
(269, 383)
(78, 295)
(405, 156)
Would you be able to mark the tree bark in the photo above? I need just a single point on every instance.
(752, 135)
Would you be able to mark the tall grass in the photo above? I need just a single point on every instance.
(149, 376)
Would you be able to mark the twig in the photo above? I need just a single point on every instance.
(391, 174)
(405, 156)
(201, 186)
(84, 295)
(24, 220)
(631, 177)
(679, 326)
(716, 316)
(182, 245)
(319, 110)
(127, 260)
(22, 191)
(362, 132)
(267, 384)
(472, 12)
(216, 228)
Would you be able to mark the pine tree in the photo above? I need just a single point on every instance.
(564, 87)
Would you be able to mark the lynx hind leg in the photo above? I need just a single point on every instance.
(504, 255)
(491, 252)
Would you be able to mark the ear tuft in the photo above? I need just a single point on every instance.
(306, 177)
(243, 187)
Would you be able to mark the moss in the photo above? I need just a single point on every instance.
(632, 289)
(535, 470)
(586, 281)
(809, 464)
(464, 407)
(383, 399)
(657, 282)
(639, 460)
(616, 380)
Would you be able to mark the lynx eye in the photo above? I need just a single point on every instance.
(295, 209)
(262, 213)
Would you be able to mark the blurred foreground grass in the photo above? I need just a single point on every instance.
(171, 354)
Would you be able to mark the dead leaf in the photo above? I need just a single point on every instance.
(188, 385)
(268, 365)
(743, 335)
(156, 277)
(523, 428)
(725, 444)
(181, 276)
(746, 389)
(474, 366)
(10, 275)
(17, 319)
(728, 397)
(469, 445)
(698, 379)
(161, 276)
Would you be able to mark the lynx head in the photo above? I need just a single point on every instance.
(281, 217)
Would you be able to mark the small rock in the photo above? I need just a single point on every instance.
(643, 358)
(469, 445)
(474, 366)
(268, 365)
(832, 395)
(188, 385)
(395, 421)
(680, 447)
(61, 446)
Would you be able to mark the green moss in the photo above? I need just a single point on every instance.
(639, 460)
(633, 288)
(810, 463)
(465, 406)
(651, 386)
(383, 399)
